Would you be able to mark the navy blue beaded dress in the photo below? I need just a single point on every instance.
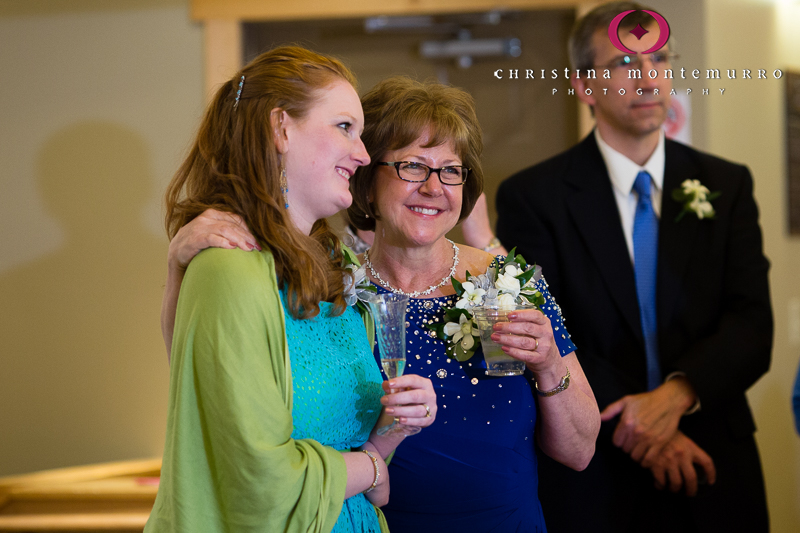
(475, 468)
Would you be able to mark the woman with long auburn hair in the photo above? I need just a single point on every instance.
(274, 393)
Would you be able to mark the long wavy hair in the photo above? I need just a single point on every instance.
(234, 166)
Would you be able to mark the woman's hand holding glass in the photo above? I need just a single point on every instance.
(409, 399)
(528, 336)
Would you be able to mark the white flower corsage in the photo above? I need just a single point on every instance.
(696, 198)
(357, 287)
(506, 284)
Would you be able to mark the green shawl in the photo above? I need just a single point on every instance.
(230, 463)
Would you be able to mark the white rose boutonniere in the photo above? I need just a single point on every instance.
(696, 198)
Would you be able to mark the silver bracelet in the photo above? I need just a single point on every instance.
(377, 472)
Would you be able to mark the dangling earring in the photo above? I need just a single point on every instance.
(284, 188)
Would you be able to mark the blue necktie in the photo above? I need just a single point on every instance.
(645, 258)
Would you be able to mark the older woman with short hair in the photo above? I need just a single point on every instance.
(475, 469)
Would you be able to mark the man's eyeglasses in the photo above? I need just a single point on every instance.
(658, 59)
(418, 172)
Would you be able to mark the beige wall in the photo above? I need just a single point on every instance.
(747, 125)
(687, 22)
(97, 105)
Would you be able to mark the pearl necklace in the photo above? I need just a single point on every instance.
(414, 294)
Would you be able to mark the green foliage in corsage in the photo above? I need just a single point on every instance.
(504, 284)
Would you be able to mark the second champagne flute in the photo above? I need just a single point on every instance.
(389, 313)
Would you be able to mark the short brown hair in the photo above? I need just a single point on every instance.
(581, 49)
(397, 111)
(234, 166)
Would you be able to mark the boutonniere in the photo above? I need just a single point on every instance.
(507, 282)
(696, 198)
(357, 287)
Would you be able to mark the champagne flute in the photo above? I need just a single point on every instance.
(389, 313)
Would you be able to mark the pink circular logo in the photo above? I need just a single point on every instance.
(663, 27)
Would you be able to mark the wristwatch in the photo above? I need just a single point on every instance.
(494, 243)
(552, 392)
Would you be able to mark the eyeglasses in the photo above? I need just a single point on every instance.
(636, 61)
(418, 172)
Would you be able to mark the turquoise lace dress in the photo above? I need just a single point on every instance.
(337, 392)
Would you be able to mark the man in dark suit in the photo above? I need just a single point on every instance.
(671, 318)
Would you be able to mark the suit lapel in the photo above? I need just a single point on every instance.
(675, 241)
(594, 210)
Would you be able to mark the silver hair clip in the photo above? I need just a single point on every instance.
(239, 92)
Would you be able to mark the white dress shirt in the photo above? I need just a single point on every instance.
(622, 172)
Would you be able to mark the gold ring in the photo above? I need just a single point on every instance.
(427, 410)
(537, 344)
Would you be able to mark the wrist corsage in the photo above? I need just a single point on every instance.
(356, 285)
(505, 283)
(696, 198)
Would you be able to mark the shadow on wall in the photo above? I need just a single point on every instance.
(83, 365)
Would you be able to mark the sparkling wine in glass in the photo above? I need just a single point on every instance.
(389, 312)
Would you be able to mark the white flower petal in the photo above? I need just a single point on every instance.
(468, 342)
(451, 328)
(507, 301)
(507, 284)
(476, 298)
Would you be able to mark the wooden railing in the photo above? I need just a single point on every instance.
(109, 497)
